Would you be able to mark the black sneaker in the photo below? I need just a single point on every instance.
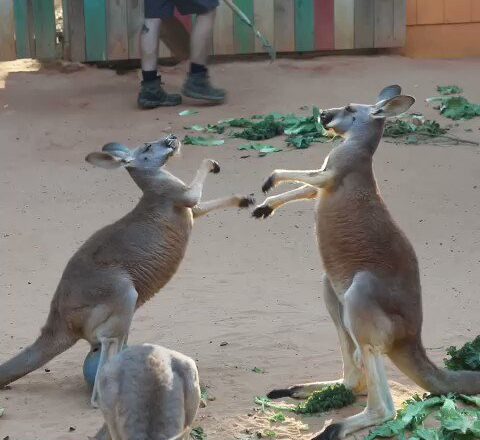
(197, 86)
(152, 95)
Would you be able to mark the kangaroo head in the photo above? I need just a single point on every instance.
(147, 158)
(367, 121)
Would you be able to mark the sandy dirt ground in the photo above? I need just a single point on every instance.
(253, 284)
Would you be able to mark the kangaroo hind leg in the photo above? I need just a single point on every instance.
(353, 376)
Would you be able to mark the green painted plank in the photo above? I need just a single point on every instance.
(304, 25)
(95, 12)
(44, 28)
(364, 24)
(243, 34)
(7, 31)
(117, 32)
(23, 30)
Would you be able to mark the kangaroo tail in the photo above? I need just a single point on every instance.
(410, 357)
(53, 340)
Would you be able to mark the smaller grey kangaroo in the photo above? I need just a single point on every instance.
(124, 264)
(372, 283)
(147, 392)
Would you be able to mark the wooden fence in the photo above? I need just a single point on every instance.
(98, 30)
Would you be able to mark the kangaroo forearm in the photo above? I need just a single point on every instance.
(305, 192)
(204, 208)
(317, 178)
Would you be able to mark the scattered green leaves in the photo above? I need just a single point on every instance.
(261, 148)
(331, 397)
(198, 433)
(456, 107)
(258, 131)
(258, 370)
(196, 128)
(449, 90)
(2, 411)
(269, 433)
(277, 418)
(465, 358)
(413, 128)
(188, 113)
(203, 141)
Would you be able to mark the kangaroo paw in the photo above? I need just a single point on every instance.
(262, 211)
(215, 167)
(245, 202)
(269, 184)
(330, 432)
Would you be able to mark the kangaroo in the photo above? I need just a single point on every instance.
(147, 392)
(372, 284)
(124, 264)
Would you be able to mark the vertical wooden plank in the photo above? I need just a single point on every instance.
(411, 12)
(223, 31)
(264, 21)
(364, 24)
(324, 24)
(344, 24)
(135, 18)
(400, 22)
(304, 25)
(74, 23)
(430, 11)
(284, 25)
(7, 31)
(117, 33)
(95, 12)
(243, 35)
(22, 30)
(384, 23)
(44, 26)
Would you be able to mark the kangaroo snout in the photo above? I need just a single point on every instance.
(326, 116)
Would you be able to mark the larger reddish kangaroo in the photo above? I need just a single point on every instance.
(372, 284)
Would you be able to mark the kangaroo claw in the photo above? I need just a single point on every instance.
(215, 167)
(268, 185)
(262, 211)
(245, 202)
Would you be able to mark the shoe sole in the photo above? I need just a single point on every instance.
(194, 95)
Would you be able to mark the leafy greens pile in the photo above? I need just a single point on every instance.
(465, 358)
(331, 397)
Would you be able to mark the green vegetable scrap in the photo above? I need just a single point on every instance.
(258, 131)
(198, 434)
(456, 107)
(454, 422)
(277, 418)
(269, 433)
(188, 113)
(261, 148)
(203, 141)
(258, 370)
(449, 90)
(413, 129)
(331, 397)
(465, 358)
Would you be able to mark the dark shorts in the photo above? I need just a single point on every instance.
(165, 8)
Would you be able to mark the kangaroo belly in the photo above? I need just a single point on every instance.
(359, 235)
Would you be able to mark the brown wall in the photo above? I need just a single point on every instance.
(443, 28)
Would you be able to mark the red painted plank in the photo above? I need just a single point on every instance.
(324, 24)
(185, 19)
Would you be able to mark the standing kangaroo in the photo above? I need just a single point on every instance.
(147, 392)
(124, 264)
(372, 284)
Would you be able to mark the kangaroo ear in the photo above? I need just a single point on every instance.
(392, 107)
(105, 160)
(117, 149)
(389, 92)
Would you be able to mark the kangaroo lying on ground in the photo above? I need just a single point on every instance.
(372, 282)
(147, 392)
(124, 264)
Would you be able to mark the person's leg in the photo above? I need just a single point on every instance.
(198, 85)
(151, 93)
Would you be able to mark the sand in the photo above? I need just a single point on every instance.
(253, 284)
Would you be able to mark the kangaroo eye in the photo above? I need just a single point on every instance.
(148, 147)
(349, 109)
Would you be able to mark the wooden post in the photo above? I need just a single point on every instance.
(7, 31)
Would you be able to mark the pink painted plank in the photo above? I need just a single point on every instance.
(324, 24)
